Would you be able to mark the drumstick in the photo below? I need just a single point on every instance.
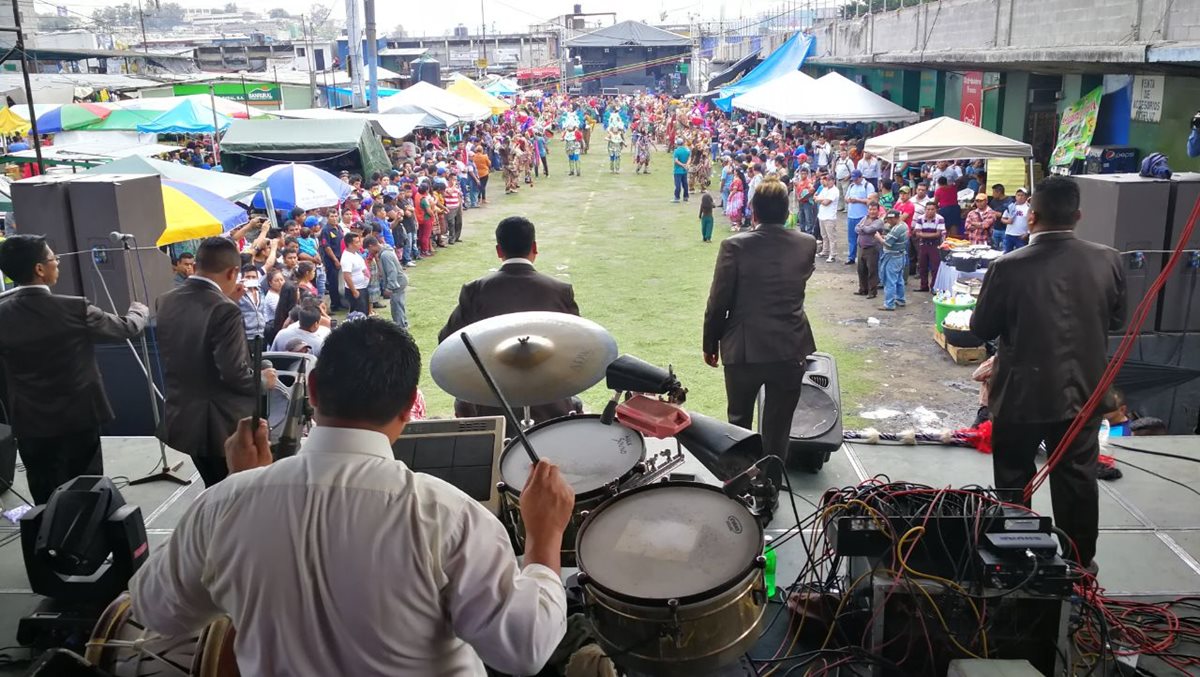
(508, 412)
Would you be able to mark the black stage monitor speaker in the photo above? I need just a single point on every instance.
(105, 203)
(817, 423)
(1180, 309)
(41, 207)
(125, 386)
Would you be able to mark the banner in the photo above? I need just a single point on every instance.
(1147, 98)
(1076, 129)
(257, 93)
(971, 111)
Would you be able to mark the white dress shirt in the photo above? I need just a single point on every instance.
(342, 561)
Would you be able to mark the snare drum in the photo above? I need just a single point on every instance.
(672, 576)
(121, 646)
(595, 459)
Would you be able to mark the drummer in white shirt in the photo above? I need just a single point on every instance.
(343, 561)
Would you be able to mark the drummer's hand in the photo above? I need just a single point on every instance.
(712, 359)
(244, 450)
(546, 505)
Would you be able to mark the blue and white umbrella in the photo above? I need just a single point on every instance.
(302, 186)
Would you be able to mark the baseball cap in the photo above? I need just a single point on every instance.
(311, 221)
(855, 174)
(905, 189)
(893, 214)
(1023, 189)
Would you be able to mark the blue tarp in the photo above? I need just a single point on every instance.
(188, 117)
(789, 57)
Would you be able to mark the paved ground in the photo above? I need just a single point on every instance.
(640, 269)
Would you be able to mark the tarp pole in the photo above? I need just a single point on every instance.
(270, 207)
(212, 98)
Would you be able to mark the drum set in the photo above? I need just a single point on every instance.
(671, 572)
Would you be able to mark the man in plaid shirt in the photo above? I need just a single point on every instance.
(454, 208)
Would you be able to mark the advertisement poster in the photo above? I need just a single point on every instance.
(1147, 98)
(972, 98)
(256, 93)
(1076, 129)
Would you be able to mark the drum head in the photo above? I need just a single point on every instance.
(669, 541)
(816, 413)
(588, 453)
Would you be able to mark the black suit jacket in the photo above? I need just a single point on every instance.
(54, 385)
(1049, 306)
(206, 367)
(515, 288)
(756, 303)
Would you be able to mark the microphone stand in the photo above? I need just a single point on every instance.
(168, 472)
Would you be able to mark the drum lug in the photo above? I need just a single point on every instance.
(674, 631)
(760, 562)
(501, 486)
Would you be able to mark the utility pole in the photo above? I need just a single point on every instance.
(354, 53)
(482, 41)
(19, 48)
(311, 63)
(372, 56)
(142, 19)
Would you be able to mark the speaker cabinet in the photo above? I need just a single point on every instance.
(41, 207)
(125, 203)
(817, 422)
(125, 385)
(1180, 303)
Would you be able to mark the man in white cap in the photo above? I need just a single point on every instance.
(1016, 221)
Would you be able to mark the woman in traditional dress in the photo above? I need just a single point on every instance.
(737, 199)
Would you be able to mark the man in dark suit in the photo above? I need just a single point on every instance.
(515, 288)
(755, 321)
(1049, 306)
(205, 359)
(56, 397)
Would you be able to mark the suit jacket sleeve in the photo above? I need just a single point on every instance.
(988, 319)
(572, 306)
(1120, 303)
(227, 339)
(458, 316)
(720, 298)
(106, 325)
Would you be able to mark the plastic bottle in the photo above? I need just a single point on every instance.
(1104, 431)
(769, 572)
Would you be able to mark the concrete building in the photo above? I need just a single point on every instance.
(1027, 60)
(630, 56)
(461, 52)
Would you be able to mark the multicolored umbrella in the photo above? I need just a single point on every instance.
(71, 116)
(194, 212)
(302, 186)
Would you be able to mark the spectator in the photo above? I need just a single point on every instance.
(254, 315)
(355, 275)
(307, 328)
(185, 267)
(393, 283)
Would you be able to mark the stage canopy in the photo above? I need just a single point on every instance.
(424, 97)
(780, 92)
(471, 92)
(944, 139)
(787, 58)
(229, 186)
(833, 98)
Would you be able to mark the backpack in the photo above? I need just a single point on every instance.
(1154, 166)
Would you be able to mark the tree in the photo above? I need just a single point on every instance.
(279, 13)
(167, 16)
(231, 8)
(398, 31)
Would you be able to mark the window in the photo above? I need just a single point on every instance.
(299, 51)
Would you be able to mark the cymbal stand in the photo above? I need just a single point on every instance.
(526, 418)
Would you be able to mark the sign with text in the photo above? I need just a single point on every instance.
(1147, 98)
(256, 93)
(971, 111)
(1076, 129)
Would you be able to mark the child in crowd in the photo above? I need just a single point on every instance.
(707, 205)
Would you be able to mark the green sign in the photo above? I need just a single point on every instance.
(1076, 129)
(257, 93)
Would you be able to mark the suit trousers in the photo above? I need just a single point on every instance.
(52, 461)
(212, 469)
(1074, 493)
(782, 381)
(868, 270)
(928, 260)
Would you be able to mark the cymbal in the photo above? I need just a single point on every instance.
(535, 358)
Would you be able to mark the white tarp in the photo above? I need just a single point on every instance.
(944, 139)
(395, 125)
(777, 93)
(435, 100)
(833, 98)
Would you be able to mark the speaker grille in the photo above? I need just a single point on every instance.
(819, 379)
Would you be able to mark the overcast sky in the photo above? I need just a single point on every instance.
(501, 15)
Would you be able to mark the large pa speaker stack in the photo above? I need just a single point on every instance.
(41, 207)
(817, 422)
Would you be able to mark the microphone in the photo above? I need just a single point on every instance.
(120, 237)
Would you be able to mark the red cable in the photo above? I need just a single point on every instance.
(1118, 359)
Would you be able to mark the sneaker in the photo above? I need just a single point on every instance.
(901, 303)
(849, 262)
(885, 308)
(410, 264)
(829, 260)
(860, 293)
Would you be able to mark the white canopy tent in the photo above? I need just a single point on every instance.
(833, 98)
(947, 139)
(395, 125)
(778, 93)
(435, 100)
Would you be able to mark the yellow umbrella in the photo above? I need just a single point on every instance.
(11, 123)
(193, 212)
(471, 92)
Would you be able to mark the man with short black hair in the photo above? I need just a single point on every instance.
(184, 265)
(254, 312)
(355, 275)
(514, 288)
(393, 283)
(56, 397)
(208, 378)
(307, 328)
(1049, 307)
(367, 568)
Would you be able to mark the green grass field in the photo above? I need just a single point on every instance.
(636, 260)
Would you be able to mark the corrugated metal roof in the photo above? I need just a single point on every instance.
(630, 34)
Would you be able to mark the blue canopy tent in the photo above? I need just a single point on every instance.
(189, 117)
(789, 57)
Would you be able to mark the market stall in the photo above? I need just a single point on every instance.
(946, 139)
(333, 145)
(424, 97)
